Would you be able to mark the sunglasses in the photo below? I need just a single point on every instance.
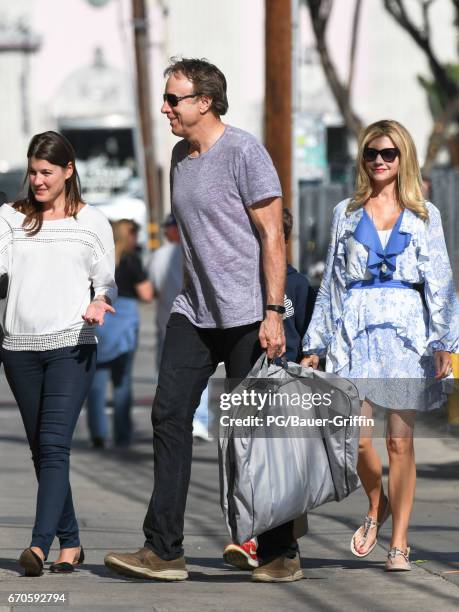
(173, 100)
(388, 155)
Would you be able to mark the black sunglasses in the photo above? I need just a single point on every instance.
(388, 155)
(173, 100)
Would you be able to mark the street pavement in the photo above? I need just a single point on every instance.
(112, 489)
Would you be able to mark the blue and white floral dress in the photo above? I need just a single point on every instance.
(369, 319)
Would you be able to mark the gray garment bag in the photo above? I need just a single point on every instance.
(266, 481)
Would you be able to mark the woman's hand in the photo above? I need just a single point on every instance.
(96, 310)
(443, 367)
(310, 361)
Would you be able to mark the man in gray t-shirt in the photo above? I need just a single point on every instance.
(226, 198)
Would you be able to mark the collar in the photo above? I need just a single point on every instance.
(382, 262)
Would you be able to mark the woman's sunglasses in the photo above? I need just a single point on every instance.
(388, 155)
(173, 100)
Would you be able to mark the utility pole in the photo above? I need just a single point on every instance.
(278, 92)
(142, 50)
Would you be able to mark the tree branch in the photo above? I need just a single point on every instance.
(397, 10)
(319, 11)
(354, 38)
(439, 135)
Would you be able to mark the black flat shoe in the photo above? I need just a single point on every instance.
(31, 562)
(67, 568)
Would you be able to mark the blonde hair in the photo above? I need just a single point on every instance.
(121, 233)
(409, 181)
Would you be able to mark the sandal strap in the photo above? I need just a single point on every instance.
(394, 551)
(368, 523)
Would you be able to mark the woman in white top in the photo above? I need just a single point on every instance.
(55, 251)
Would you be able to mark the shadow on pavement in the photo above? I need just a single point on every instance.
(444, 471)
(317, 563)
(11, 565)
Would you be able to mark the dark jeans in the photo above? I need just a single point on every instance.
(50, 388)
(190, 357)
(120, 372)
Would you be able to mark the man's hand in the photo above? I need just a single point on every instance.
(272, 336)
(95, 312)
(310, 361)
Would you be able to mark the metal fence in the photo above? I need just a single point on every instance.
(318, 200)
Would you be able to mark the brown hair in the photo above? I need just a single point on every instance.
(409, 182)
(56, 149)
(207, 79)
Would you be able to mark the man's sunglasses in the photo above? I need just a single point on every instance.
(173, 100)
(388, 155)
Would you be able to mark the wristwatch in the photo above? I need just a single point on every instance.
(276, 308)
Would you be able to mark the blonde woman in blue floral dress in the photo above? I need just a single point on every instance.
(386, 310)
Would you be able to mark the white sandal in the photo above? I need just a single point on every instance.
(397, 560)
(370, 523)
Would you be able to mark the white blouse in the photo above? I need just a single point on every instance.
(50, 278)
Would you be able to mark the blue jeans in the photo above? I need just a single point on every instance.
(50, 388)
(120, 371)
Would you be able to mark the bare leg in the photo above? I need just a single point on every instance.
(369, 469)
(402, 473)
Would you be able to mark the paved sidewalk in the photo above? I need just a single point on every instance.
(112, 489)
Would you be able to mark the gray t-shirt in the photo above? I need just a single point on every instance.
(223, 279)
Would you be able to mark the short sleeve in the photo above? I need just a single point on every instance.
(257, 178)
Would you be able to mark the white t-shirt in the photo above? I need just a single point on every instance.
(50, 278)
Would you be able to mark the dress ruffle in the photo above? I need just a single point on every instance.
(365, 309)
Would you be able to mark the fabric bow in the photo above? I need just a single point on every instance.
(381, 262)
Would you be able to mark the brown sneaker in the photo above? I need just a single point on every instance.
(146, 564)
(280, 569)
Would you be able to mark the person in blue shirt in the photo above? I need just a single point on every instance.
(298, 301)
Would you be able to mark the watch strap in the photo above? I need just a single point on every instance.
(276, 308)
